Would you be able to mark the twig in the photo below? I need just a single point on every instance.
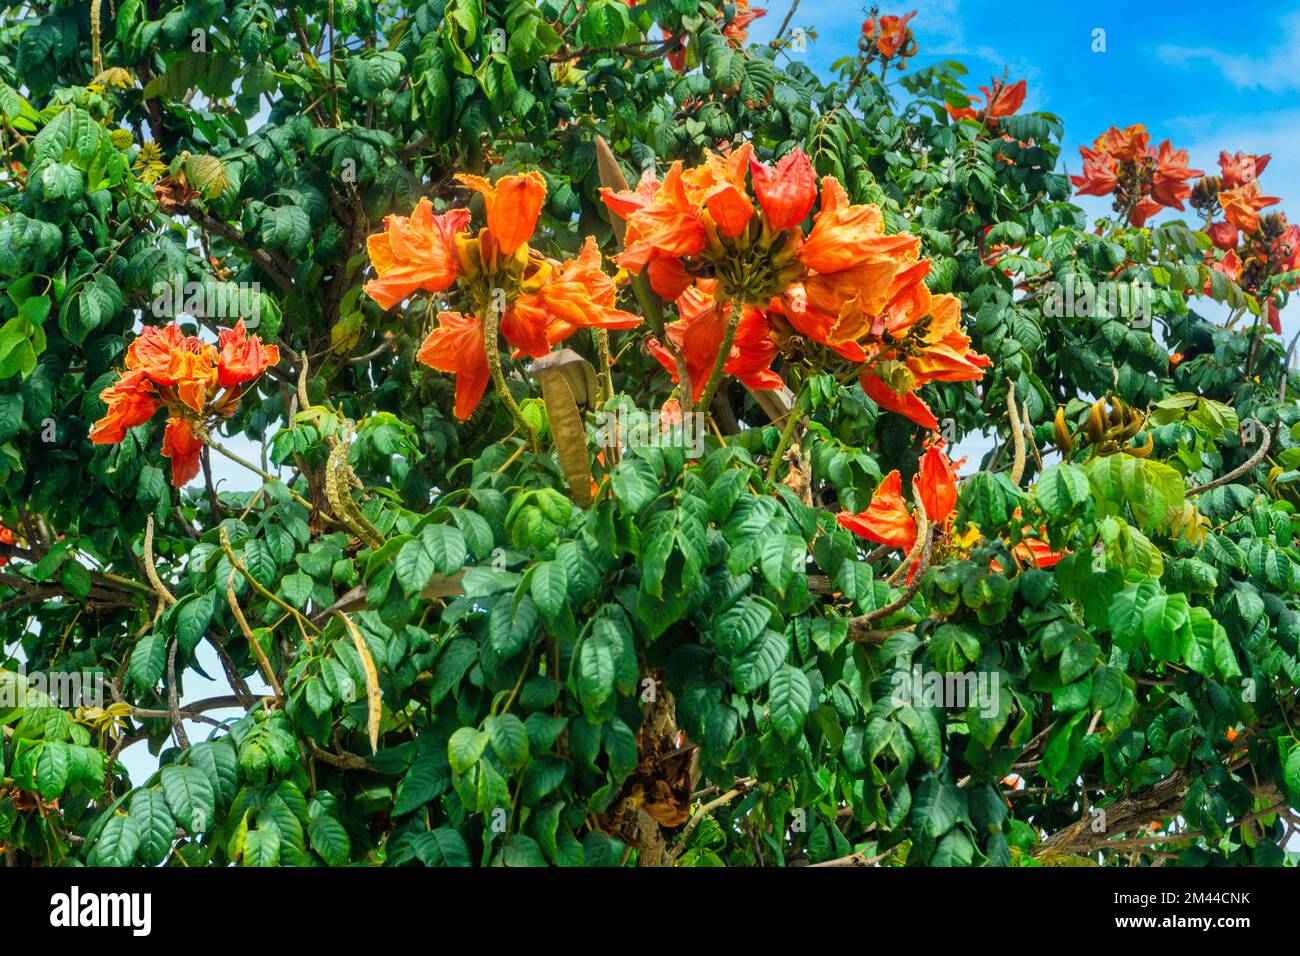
(262, 660)
(1264, 440)
(742, 786)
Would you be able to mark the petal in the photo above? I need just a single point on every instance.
(456, 346)
(909, 404)
(787, 194)
(183, 449)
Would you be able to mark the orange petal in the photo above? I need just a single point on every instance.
(456, 346)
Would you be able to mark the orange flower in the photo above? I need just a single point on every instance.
(718, 184)
(513, 205)
(1144, 210)
(151, 352)
(415, 253)
(1127, 145)
(183, 448)
(737, 31)
(1229, 265)
(1169, 184)
(1223, 235)
(662, 222)
(456, 346)
(786, 194)
(1100, 173)
(242, 357)
(1000, 100)
(886, 520)
(908, 404)
(937, 483)
(699, 334)
(1036, 552)
(559, 299)
(193, 372)
(894, 34)
(1241, 168)
(844, 235)
(130, 403)
(6, 537)
(1241, 205)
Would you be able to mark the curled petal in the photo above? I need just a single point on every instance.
(886, 520)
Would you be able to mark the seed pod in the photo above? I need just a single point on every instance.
(1061, 433)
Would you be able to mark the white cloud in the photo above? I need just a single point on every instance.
(1276, 69)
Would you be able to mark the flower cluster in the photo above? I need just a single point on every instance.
(888, 37)
(1256, 247)
(846, 285)
(533, 300)
(194, 380)
(1000, 101)
(889, 521)
(1142, 178)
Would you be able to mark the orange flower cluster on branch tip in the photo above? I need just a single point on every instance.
(536, 300)
(846, 285)
(1142, 178)
(1255, 247)
(888, 36)
(1000, 101)
(194, 380)
(889, 521)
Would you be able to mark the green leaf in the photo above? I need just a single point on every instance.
(148, 660)
(117, 843)
(329, 839)
(597, 667)
(427, 779)
(445, 546)
(413, 567)
(509, 739)
(1127, 613)
(550, 588)
(442, 847)
(190, 797)
(373, 73)
(465, 748)
(789, 697)
(1061, 490)
(155, 824)
(262, 848)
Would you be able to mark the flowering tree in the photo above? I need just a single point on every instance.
(599, 378)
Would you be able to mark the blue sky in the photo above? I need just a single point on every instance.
(1208, 76)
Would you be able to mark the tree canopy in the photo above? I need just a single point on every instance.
(602, 379)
